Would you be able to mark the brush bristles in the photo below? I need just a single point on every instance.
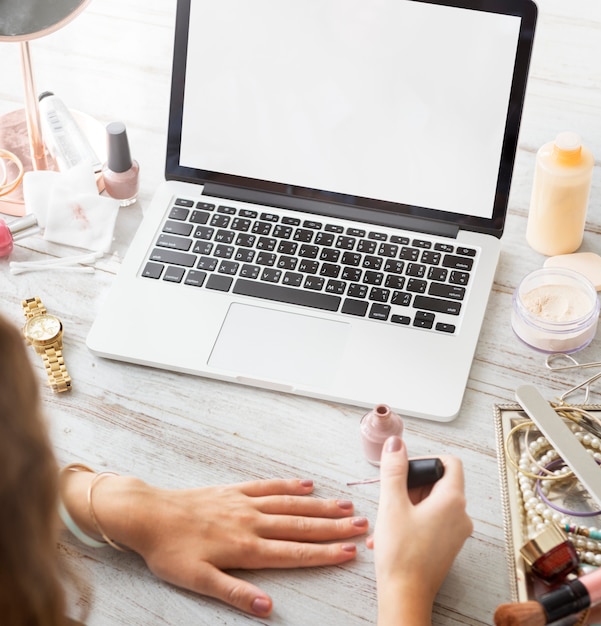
(520, 614)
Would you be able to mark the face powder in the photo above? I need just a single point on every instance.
(555, 310)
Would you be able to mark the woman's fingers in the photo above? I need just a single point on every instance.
(297, 528)
(210, 581)
(275, 487)
(292, 554)
(303, 506)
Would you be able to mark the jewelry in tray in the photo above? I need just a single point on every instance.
(553, 525)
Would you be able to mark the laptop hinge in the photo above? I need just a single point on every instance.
(342, 211)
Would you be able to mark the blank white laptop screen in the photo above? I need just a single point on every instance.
(397, 105)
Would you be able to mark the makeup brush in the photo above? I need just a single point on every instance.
(568, 599)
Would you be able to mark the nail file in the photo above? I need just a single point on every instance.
(561, 438)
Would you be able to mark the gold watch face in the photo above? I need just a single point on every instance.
(42, 328)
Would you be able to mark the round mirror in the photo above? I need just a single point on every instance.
(22, 20)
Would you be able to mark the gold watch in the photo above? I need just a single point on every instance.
(45, 333)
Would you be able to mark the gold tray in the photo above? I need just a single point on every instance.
(506, 417)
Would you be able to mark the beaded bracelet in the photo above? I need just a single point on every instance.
(66, 517)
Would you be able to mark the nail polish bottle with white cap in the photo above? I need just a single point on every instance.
(120, 172)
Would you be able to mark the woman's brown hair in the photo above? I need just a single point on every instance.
(31, 592)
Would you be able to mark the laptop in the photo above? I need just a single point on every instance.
(337, 181)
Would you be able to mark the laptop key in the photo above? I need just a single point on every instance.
(202, 247)
(308, 252)
(416, 286)
(441, 290)
(459, 278)
(315, 283)
(207, 263)
(401, 319)
(357, 291)
(195, 278)
(228, 267)
(219, 282)
(438, 305)
(250, 271)
(177, 228)
(288, 295)
(174, 274)
(293, 278)
(458, 262)
(174, 242)
(204, 232)
(225, 236)
(179, 213)
(335, 286)
(423, 319)
(379, 311)
(152, 270)
(173, 257)
(355, 307)
(271, 275)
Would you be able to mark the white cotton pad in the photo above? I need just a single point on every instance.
(37, 186)
(82, 220)
(586, 263)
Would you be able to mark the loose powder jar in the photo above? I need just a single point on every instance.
(555, 310)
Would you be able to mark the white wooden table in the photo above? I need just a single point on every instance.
(174, 430)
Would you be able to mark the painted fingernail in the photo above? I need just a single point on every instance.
(345, 504)
(307, 482)
(393, 444)
(349, 547)
(261, 605)
(360, 521)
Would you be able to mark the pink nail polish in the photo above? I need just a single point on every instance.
(261, 605)
(360, 521)
(307, 482)
(120, 172)
(15, 230)
(349, 547)
(345, 504)
(376, 426)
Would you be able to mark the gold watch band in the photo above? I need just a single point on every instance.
(52, 356)
(33, 306)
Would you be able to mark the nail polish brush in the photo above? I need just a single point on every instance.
(421, 472)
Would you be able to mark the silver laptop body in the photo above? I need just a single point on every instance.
(337, 179)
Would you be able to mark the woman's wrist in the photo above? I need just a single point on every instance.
(117, 505)
(399, 603)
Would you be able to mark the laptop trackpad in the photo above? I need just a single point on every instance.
(295, 349)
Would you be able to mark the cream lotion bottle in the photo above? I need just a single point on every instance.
(376, 426)
(64, 139)
(560, 193)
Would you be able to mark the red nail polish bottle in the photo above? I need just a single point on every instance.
(15, 230)
(550, 555)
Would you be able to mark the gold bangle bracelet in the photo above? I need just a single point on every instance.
(101, 532)
(7, 187)
(64, 514)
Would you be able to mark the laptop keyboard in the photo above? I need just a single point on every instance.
(401, 279)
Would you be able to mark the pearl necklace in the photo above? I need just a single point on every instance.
(542, 477)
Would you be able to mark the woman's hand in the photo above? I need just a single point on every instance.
(190, 537)
(417, 536)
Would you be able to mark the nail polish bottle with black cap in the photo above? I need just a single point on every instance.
(120, 172)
